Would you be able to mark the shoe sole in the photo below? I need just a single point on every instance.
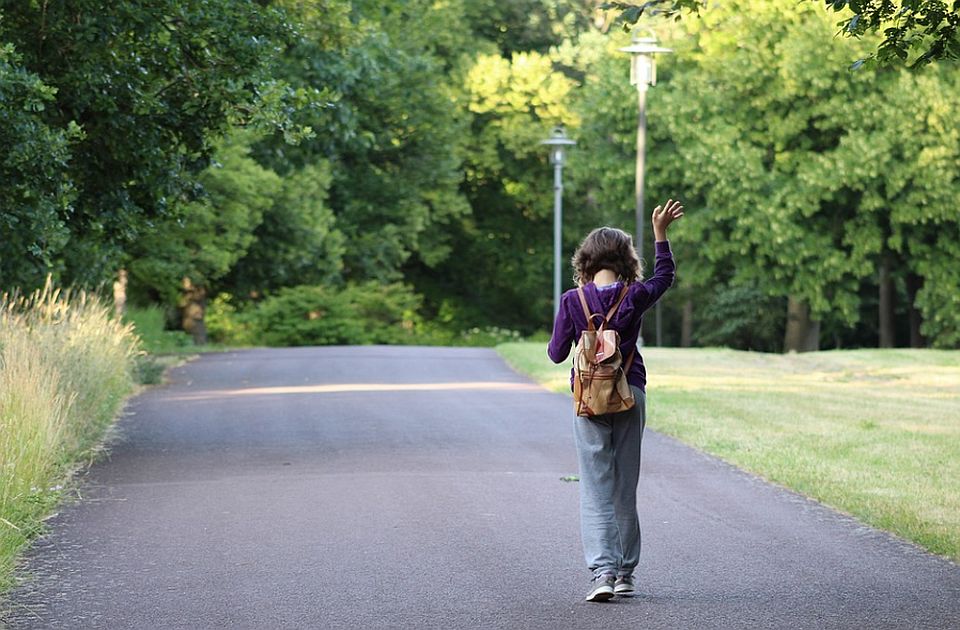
(625, 593)
(600, 595)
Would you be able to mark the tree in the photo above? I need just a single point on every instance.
(795, 192)
(217, 230)
(35, 195)
(149, 83)
(504, 247)
(391, 132)
(297, 242)
(927, 27)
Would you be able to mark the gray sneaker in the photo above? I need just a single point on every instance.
(601, 587)
(624, 586)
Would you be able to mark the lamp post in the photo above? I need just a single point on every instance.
(558, 143)
(643, 74)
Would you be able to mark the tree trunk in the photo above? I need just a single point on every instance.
(193, 306)
(120, 294)
(914, 283)
(886, 304)
(803, 333)
(686, 324)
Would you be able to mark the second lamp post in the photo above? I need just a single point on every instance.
(558, 143)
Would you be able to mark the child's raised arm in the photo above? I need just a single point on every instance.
(664, 267)
(663, 216)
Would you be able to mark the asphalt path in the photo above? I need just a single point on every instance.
(401, 487)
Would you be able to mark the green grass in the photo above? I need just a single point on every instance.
(873, 433)
(65, 367)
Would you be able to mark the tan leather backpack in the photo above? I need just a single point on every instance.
(599, 372)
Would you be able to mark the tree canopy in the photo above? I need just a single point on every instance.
(927, 28)
(252, 157)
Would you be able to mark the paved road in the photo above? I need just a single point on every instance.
(421, 488)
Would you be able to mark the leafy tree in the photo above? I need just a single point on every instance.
(391, 133)
(898, 159)
(35, 195)
(929, 27)
(297, 241)
(149, 83)
(793, 191)
(182, 259)
(504, 248)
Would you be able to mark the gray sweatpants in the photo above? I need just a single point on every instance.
(608, 447)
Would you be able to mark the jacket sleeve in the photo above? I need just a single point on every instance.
(563, 331)
(664, 272)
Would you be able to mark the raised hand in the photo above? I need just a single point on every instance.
(663, 216)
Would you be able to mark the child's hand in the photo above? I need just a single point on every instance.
(663, 216)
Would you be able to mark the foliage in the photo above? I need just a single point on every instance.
(216, 230)
(249, 147)
(149, 324)
(391, 134)
(740, 317)
(35, 195)
(929, 27)
(141, 88)
(226, 325)
(362, 313)
(507, 179)
(800, 174)
(296, 241)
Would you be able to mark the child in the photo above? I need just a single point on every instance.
(608, 445)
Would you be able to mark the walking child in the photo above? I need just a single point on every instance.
(608, 445)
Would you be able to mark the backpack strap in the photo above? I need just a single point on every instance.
(613, 309)
(616, 305)
(586, 310)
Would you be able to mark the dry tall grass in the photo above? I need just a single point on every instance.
(65, 367)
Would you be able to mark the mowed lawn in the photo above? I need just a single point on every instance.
(874, 433)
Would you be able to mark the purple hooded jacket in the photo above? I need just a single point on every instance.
(641, 296)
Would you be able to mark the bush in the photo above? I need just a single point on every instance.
(365, 313)
(65, 367)
(149, 324)
(741, 317)
(226, 325)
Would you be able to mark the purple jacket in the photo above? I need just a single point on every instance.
(627, 320)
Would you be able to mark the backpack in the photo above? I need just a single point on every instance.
(599, 373)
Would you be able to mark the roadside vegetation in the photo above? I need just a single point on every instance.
(873, 433)
(65, 368)
(305, 172)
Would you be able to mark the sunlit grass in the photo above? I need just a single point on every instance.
(874, 433)
(65, 367)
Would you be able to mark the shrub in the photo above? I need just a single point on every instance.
(150, 323)
(226, 325)
(319, 315)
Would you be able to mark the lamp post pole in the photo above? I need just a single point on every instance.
(641, 165)
(558, 143)
(557, 222)
(643, 74)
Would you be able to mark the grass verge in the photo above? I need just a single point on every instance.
(873, 433)
(65, 368)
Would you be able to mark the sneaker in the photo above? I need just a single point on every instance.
(624, 586)
(601, 587)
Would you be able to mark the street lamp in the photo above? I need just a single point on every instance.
(643, 74)
(558, 143)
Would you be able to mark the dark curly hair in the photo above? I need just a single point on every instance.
(607, 248)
